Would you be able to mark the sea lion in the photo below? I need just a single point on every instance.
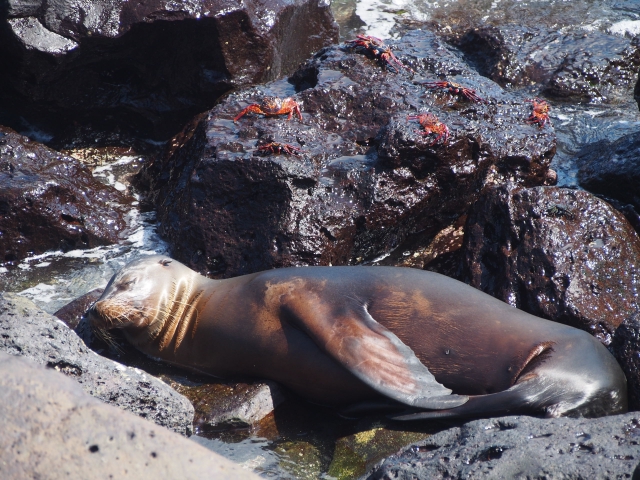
(349, 334)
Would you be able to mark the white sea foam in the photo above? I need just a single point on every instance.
(625, 27)
(380, 15)
(106, 171)
(96, 264)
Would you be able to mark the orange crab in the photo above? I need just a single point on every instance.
(279, 148)
(378, 49)
(540, 113)
(431, 125)
(272, 106)
(456, 89)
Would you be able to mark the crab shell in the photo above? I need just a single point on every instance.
(273, 105)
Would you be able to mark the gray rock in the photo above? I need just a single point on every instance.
(28, 331)
(523, 447)
(52, 429)
(23, 8)
(34, 36)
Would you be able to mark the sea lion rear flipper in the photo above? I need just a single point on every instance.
(372, 353)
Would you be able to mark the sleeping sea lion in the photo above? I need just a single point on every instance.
(346, 334)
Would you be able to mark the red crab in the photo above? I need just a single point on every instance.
(540, 113)
(431, 125)
(272, 106)
(279, 148)
(456, 89)
(378, 49)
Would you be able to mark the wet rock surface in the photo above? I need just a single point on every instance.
(557, 253)
(304, 441)
(565, 64)
(626, 348)
(49, 201)
(441, 253)
(52, 429)
(365, 178)
(523, 447)
(355, 454)
(27, 331)
(232, 405)
(146, 66)
(612, 169)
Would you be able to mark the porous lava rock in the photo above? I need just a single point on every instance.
(52, 429)
(557, 253)
(49, 201)
(612, 169)
(27, 331)
(522, 447)
(626, 348)
(365, 178)
(146, 66)
(567, 64)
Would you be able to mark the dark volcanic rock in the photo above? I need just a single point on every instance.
(231, 404)
(567, 63)
(441, 253)
(28, 331)
(523, 447)
(612, 169)
(365, 179)
(49, 201)
(147, 65)
(557, 253)
(52, 429)
(72, 312)
(626, 348)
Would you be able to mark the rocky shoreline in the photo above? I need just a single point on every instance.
(361, 183)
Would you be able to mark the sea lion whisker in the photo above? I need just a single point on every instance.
(181, 289)
(187, 317)
(202, 304)
(107, 338)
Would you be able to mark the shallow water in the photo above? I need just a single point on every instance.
(379, 17)
(51, 280)
(304, 449)
(575, 125)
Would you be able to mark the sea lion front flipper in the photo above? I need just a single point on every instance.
(372, 353)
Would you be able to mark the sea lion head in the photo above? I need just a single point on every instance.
(142, 297)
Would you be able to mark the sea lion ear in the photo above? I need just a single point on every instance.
(372, 353)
